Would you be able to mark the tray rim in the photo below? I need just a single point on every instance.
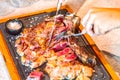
(8, 58)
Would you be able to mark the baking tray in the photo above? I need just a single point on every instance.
(100, 71)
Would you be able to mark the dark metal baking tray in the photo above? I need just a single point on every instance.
(100, 71)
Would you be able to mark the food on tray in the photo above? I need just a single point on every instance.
(67, 67)
(35, 75)
(64, 58)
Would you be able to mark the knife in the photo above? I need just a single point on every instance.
(59, 4)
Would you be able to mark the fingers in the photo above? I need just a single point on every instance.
(91, 21)
(85, 18)
(99, 20)
(89, 29)
(88, 23)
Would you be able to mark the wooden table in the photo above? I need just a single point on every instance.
(10, 63)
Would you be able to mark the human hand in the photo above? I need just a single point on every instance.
(101, 20)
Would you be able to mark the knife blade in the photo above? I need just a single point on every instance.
(59, 4)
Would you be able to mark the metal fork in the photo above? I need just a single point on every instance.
(64, 35)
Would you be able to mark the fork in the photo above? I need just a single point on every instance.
(64, 35)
